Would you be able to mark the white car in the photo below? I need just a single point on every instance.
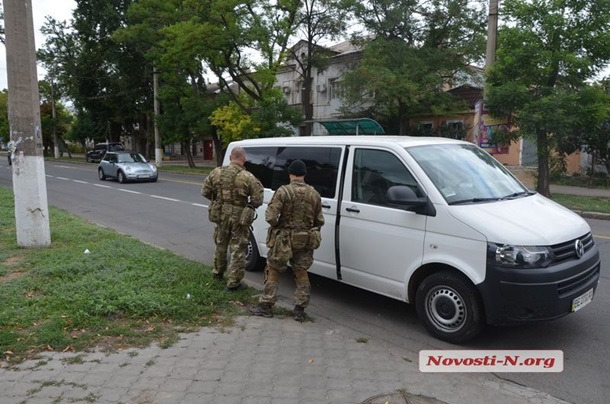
(436, 222)
(126, 166)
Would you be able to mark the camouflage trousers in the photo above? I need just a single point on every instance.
(300, 262)
(230, 237)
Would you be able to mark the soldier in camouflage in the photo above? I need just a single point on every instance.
(295, 216)
(234, 193)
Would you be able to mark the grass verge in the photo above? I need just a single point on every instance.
(583, 203)
(124, 293)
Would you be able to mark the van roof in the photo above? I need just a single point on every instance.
(404, 141)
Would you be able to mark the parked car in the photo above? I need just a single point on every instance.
(436, 222)
(96, 154)
(126, 166)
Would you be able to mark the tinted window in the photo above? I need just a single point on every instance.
(260, 162)
(270, 166)
(375, 171)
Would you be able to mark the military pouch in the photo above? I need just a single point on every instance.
(271, 235)
(299, 240)
(315, 239)
(215, 212)
(247, 216)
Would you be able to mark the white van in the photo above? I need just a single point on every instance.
(435, 222)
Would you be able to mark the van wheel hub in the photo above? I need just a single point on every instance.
(446, 309)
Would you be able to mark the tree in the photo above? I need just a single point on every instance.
(546, 53)
(5, 135)
(597, 138)
(110, 83)
(55, 125)
(411, 51)
(317, 20)
(186, 37)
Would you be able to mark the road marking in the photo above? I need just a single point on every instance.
(165, 198)
(606, 237)
(80, 182)
(129, 190)
(102, 186)
(63, 178)
(198, 204)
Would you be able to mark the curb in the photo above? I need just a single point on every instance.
(593, 215)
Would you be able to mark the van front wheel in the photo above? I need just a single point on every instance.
(450, 307)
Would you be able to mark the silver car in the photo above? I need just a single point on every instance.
(126, 166)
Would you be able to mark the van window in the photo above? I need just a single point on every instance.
(375, 171)
(260, 162)
(465, 173)
(270, 166)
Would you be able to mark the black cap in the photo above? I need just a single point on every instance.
(297, 167)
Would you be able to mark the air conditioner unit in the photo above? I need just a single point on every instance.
(286, 90)
(321, 88)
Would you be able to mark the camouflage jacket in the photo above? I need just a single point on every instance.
(296, 206)
(234, 186)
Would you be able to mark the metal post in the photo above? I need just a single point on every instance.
(29, 183)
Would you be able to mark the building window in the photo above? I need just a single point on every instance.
(426, 127)
(335, 89)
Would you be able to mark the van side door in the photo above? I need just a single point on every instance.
(379, 244)
(270, 166)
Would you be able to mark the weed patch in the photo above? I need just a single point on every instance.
(123, 294)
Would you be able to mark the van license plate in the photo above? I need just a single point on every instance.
(582, 300)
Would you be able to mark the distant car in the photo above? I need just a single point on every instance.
(126, 166)
(96, 154)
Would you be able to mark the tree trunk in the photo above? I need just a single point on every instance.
(542, 187)
(217, 147)
(188, 154)
(307, 105)
(402, 121)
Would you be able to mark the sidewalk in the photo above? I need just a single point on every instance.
(258, 360)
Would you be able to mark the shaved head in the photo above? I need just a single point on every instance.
(238, 155)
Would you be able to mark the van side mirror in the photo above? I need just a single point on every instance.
(403, 197)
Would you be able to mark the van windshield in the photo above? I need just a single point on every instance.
(467, 174)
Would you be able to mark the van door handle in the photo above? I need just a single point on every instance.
(325, 206)
(356, 210)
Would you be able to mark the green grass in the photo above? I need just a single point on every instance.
(583, 203)
(123, 294)
(602, 181)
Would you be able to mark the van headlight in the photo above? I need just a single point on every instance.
(515, 256)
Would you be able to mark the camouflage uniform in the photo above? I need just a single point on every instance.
(232, 189)
(295, 216)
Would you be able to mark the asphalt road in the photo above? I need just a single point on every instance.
(172, 214)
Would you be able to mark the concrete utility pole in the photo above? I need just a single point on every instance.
(492, 31)
(158, 149)
(29, 183)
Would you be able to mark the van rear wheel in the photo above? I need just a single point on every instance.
(450, 307)
(254, 262)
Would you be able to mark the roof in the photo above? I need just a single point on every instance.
(470, 94)
(368, 140)
(357, 126)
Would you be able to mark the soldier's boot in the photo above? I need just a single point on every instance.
(299, 313)
(261, 309)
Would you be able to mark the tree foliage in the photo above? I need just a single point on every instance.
(546, 54)
(109, 83)
(412, 49)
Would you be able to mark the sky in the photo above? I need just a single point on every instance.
(58, 9)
